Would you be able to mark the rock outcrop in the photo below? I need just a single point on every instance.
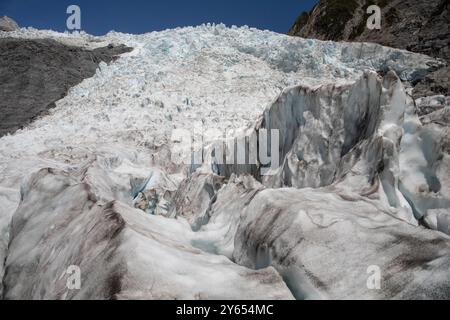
(34, 73)
(417, 26)
(7, 24)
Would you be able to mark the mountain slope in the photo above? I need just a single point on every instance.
(417, 26)
(35, 73)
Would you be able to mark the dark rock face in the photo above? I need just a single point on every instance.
(326, 21)
(417, 26)
(8, 24)
(34, 74)
(437, 82)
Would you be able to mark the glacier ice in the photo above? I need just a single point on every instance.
(323, 244)
(122, 254)
(364, 169)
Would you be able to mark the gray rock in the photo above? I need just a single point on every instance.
(419, 26)
(8, 24)
(438, 82)
(34, 74)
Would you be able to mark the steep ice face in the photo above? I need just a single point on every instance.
(319, 126)
(346, 135)
(363, 137)
(425, 163)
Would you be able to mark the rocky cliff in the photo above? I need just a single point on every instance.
(34, 73)
(417, 26)
(8, 24)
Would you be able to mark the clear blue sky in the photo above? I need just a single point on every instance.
(139, 16)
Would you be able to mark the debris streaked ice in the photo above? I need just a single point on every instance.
(324, 245)
(121, 253)
(94, 185)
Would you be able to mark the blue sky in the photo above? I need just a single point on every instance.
(139, 16)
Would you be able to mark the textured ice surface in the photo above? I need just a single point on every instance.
(122, 253)
(108, 146)
(215, 75)
(323, 245)
(346, 135)
(8, 204)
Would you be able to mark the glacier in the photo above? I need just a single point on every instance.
(363, 177)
